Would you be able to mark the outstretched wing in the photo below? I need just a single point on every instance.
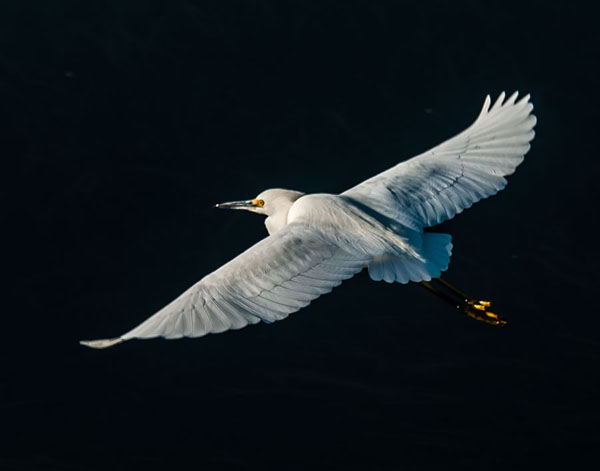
(435, 186)
(279, 275)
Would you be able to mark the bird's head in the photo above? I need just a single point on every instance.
(269, 203)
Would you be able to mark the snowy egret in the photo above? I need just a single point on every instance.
(318, 240)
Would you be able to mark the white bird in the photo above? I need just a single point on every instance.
(316, 241)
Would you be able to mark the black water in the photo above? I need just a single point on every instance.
(122, 122)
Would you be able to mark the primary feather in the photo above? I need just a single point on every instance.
(440, 183)
(279, 275)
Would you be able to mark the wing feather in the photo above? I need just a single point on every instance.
(440, 183)
(276, 277)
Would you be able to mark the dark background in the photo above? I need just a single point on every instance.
(122, 122)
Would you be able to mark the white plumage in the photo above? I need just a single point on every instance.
(317, 241)
(438, 184)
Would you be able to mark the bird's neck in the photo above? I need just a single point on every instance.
(276, 222)
(279, 218)
(279, 209)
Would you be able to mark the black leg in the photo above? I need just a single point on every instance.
(439, 294)
(452, 288)
(473, 308)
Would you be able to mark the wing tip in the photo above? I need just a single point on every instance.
(524, 99)
(486, 106)
(514, 101)
(511, 100)
(101, 343)
(499, 101)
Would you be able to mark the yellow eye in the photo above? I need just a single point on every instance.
(259, 203)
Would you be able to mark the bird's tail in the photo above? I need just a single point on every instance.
(435, 252)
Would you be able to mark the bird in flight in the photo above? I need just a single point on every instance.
(316, 241)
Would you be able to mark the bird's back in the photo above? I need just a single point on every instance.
(354, 225)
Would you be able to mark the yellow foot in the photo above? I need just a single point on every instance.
(479, 305)
(477, 310)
